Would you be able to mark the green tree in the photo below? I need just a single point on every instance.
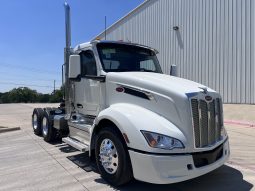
(22, 94)
(56, 96)
(4, 98)
(27, 95)
(43, 98)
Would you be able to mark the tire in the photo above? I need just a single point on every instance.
(37, 120)
(48, 131)
(119, 171)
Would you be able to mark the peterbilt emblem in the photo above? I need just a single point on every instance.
(208, 98)
(204, 89)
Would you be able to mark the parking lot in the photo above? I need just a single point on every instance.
(29, 163)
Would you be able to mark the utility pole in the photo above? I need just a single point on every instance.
(54, 87)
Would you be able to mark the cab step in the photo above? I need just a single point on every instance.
(76, 144)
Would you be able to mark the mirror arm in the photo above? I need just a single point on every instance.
(96, 78)
(77, 79)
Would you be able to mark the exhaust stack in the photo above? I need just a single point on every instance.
(67, 25)
(67, 53)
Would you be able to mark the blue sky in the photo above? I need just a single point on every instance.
(32, 37)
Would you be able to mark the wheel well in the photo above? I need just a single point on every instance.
(104, 123)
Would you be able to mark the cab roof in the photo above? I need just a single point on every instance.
(89, 44)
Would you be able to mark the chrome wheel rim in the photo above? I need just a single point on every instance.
(45, 126)
(35, 122)
(108, 156)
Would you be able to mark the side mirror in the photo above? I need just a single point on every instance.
(74, 67)
(173, 70)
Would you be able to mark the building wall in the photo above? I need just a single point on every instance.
(213, 46)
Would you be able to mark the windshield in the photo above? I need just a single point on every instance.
(127, 58)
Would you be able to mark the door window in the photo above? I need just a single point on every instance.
(88, 64)
(147, 65)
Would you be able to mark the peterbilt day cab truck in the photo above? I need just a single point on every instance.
(136, 121)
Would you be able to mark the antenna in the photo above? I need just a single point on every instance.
(105, 27)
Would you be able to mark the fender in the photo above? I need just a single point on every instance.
(131, 119)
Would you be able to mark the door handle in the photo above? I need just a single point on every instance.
(79, 105)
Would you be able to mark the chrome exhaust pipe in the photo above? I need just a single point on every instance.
(67, 53)
(67, 25)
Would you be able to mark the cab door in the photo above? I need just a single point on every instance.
(87, 91)
(86, 98)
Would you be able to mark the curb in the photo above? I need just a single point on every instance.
(242, 123)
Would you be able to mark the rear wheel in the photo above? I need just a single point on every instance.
(48, 131)
(37, 120)
(112, 157)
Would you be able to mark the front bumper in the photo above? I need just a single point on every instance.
(166, 169)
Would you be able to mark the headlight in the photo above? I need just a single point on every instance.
(156, 140)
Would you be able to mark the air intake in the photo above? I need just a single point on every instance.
(207, 121)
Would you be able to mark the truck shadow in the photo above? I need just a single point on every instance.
(67, 149)
(222, 179)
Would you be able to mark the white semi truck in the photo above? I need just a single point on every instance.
(134, 120)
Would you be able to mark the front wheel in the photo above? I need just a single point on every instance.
(112, 157)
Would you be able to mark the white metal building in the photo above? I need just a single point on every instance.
(213, 44)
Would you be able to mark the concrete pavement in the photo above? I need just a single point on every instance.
(239, 112)
(29, 163)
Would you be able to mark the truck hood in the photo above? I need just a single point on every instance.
(158, 82)
(170, 96)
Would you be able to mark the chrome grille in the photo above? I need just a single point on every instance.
(207, 121)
